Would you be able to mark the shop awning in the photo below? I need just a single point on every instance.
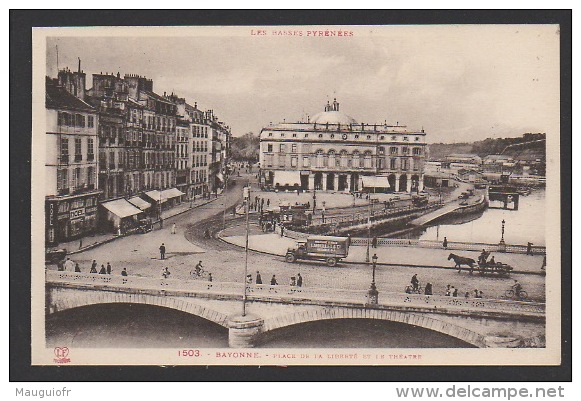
(171, 193)
(140, 203)
(121, 208)
(375, 182)
(156, 196)
(220, 176)
(287, 178)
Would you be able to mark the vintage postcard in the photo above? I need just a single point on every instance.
(296, 195)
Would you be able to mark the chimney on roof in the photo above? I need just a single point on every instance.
(79, 64)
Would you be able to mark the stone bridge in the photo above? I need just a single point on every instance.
(478, 322)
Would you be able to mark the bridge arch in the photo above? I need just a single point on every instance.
(415, 319)
(81, 299)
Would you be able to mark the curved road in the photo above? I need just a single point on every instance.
(139, 254)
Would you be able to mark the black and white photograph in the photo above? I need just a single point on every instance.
(296, 195)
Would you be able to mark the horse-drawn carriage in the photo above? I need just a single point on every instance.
(484, 266)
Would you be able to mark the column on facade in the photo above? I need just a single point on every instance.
(421, 183)
(311, 181)
(324, 181)
(408, 183)
(360, 184)
(336, 182)
(397, 179)
(348, 182)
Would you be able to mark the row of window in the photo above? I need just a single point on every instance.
(363, 161)
(75, 120)
(114, 186)
(78, 143)
(77, 178)
(393, 150)
(347, 136)
(133, 159)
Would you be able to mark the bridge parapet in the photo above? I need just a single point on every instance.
(304, 295)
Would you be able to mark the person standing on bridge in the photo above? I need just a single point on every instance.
(162, 251)
(445, 243)
(529, 248)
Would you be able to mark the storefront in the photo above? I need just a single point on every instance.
(120, 216)
(140, 204)
(70, 217)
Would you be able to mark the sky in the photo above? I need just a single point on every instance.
(459, 83)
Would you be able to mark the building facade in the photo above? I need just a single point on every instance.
(71, 181)
(333, 152)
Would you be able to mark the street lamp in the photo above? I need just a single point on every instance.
(368, 229)
(373, 294)
(502, 232)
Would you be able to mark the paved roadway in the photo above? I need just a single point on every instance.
(139, 254)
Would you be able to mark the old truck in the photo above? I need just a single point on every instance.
(326, 248)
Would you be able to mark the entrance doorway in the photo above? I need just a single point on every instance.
(330, 182)
(403, 182)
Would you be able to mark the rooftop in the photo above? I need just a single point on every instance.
(58, 98)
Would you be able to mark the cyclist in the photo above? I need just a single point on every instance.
(415, 282)
(197, 270)
(517, 287)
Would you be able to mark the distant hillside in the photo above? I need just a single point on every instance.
(439, 151)
(245, 147)
(527, 146)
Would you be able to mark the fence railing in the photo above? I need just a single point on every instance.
(286, 293)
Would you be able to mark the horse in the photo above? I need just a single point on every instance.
(460, 260)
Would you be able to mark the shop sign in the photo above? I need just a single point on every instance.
(77, 213)
(50, 214)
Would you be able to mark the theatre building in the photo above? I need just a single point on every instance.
(334, 152)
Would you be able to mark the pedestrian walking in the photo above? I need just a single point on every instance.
(445, 243)
(94, 269)
(448, 291)
(467, 295)
(103, 270)
(299, 280)
(529, 248)
(165, 273)
(374, 242)
(124, 271)
(94, 266)
(273, 280)
(455, 293)
(281, 230)
(476, 295)
(162, 251)
(258, 278)
(173, 228)
(268, 202)
(428, 290)
(108, 268)
(77, 268)
(210, 277)
(293, 281)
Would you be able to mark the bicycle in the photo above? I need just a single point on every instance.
(409, 289)
(520, 294)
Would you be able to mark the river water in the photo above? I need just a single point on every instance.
(527, 224)
(144, 326)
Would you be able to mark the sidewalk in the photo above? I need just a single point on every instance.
(89, 242)
(274, 244)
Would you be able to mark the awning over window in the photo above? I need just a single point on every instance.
(287, 178)
(140, 203)
(171, 193)
(121, 208)
(375, 182)
(156, 196)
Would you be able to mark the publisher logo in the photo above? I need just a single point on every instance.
(61, 354)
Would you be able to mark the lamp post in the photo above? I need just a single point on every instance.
(368, 230)
(502, 245)
(373, 294)
(247, 204)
